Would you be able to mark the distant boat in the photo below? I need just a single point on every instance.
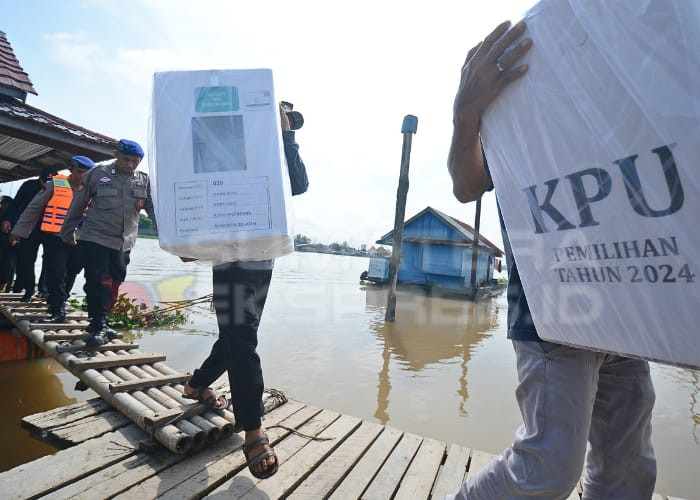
(437, 255)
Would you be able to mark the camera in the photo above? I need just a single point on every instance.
(296, 119)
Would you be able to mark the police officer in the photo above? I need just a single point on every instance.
(51, 206)
(8, 254)
(116, 192)
(28, 249)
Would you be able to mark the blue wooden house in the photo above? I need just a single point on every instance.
(437, 252)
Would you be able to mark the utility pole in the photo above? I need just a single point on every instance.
(408, 128)
(475, 248)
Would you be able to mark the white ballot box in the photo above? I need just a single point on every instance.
(595, 157)
(220, 178)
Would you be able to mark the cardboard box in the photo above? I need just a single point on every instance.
(220, 178)
(594, 156)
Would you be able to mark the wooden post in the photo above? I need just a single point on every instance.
(408, 128)
(475, 249)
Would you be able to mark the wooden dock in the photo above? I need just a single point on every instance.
(322, 454)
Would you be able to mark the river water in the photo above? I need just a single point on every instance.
(443, 369)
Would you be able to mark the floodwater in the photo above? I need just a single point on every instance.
(444, 369)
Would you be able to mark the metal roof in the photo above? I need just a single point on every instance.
(464, 229)
(31, 139)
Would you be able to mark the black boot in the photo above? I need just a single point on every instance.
(95, 340)
(99, 326)
(27, 297)
(58, 314)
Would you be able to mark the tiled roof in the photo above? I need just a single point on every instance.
(11, 73)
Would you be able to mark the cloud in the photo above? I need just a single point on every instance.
(75, 52)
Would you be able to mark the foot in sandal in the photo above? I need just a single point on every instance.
(259, 455)
(205, 395)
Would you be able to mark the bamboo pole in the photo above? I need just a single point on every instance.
(170, 436)
(475, 249)
(147, 399)
(225, 421)
(168, 399)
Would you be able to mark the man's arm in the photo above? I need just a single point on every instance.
(297, 170)
(148, 206)
(31, 214)
(24, 195)
(77, 208)
(488, 69)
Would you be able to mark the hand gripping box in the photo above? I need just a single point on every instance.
(220, 178)
(594, 155)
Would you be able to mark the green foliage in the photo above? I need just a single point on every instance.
(146, 227)
(301, 239)
(127, 314)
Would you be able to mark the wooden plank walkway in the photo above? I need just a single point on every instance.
(335, 456)
(322, 454)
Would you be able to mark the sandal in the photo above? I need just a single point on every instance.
(252, 462)
(214, 401)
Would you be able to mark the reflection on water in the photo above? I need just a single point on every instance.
(443, 369)
(429, 331)
(28, 387)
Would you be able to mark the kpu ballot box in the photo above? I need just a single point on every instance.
(220, 178)
(595, 155)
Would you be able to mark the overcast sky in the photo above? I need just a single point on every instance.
(353, 69)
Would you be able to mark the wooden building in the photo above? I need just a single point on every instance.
(437, 252)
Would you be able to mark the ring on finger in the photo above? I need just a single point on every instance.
(500, 68)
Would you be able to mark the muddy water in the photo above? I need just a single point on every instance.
(444, 369)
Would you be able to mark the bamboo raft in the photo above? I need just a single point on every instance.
(322, 454)
(140, 385)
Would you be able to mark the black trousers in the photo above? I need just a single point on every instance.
(62, 264)
(105, 270)
(42, 285)
(239, 299)
(26, 257)
(8, 261)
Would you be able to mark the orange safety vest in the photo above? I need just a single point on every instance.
(57, 207)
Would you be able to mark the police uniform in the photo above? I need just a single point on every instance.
(61, 263)
(107, 233)
(29, 247)
(8, 253)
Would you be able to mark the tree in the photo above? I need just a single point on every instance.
(146, 227)
(301, 239)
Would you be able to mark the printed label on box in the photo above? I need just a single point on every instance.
(219, 205)
(239, 206)
(215, 99)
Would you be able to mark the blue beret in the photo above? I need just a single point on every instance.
(127, 147)
(82, 162)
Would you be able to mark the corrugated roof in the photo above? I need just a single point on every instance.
(31, 139)
(462, 228)
(11, 73)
